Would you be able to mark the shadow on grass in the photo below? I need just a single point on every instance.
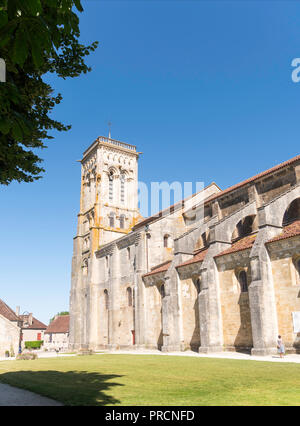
(70, 387)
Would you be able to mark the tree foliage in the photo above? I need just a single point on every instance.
(36, 37)
(59, 313)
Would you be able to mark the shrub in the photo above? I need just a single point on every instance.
(12, 352)
(27, 356)
(7, 354)
(35, 344)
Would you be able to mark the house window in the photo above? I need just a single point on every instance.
(243, 281)
(129, 296)
(162, 291)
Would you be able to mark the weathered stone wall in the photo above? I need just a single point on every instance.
(287, 288)
(190, 314)
(9, 336)
(236, 318)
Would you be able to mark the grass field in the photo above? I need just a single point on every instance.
(156, 380)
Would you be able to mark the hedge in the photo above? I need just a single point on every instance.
(35, 344)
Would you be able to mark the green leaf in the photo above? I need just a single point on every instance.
(20, 49)
(4, 126)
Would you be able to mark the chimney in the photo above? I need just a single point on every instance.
(30, 319)
(18, 311)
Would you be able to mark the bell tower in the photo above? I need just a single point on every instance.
(109, 192)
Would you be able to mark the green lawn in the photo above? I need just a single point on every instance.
(156, 380)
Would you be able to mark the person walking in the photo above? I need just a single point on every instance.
(280, 347)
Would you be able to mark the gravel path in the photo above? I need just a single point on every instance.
(11, 396)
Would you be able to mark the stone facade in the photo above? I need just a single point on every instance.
(218, 271)
(9, 337)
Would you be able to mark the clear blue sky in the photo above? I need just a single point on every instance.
(202, 88)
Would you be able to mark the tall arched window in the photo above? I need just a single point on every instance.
(129, 296)
(106, 301)
(243, 281)
(122, 221)
(122, 192)
(162, 291)
(111, 219)
(111, 185)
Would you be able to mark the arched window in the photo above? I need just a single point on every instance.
(106, 299)
(129, 296)
(122, 192)
(111, 219)
(245, 227)
(122, 221)
(166, 241)
(162, 291)
(292, 213)
(128, 253)
(243, 281)
(111, 185)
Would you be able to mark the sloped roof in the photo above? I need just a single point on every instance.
(254, 178)
(7, 312)
(240, 245)
(199, 256)
(291, 230)
(59, 325)
(163, 267)
(36, 324)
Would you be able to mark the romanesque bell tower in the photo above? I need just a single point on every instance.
(108, 210)
(109, 192)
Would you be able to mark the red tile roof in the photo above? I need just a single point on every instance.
(59, 325)
(7, 312)
(36, 324)
(291, 230)
(199, 256)
(240, 245)
(254, 178)
(163, 267)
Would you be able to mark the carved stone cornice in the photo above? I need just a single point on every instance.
(129, 240)
(106, 250)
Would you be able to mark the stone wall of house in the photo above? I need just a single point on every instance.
(56, 341)
(9, 336)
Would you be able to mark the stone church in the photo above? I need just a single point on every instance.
(217, 271)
